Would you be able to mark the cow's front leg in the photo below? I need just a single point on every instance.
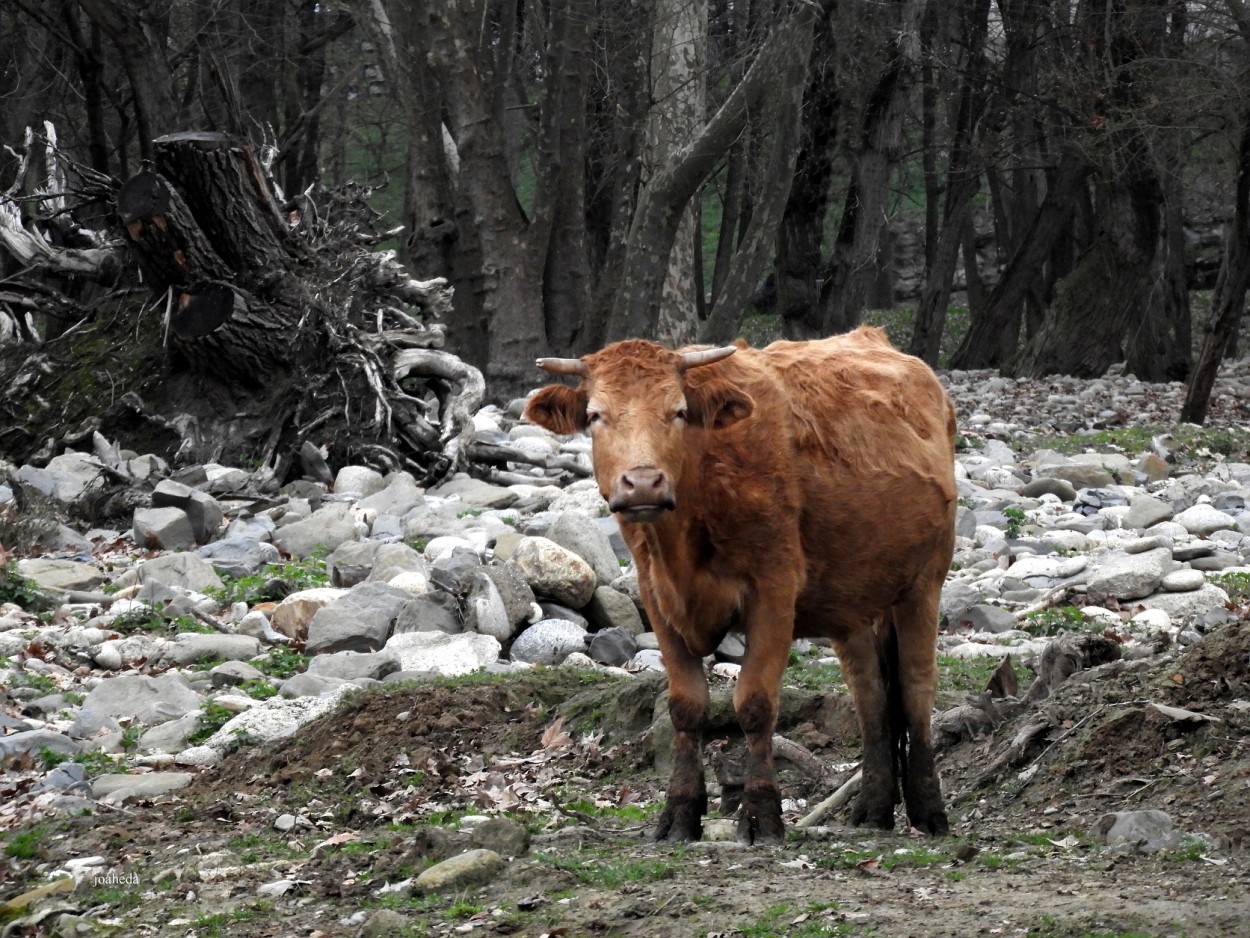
(686, 803)
(755, 700)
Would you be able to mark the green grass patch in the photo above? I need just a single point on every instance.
(1236, 585)
(213, 717)
(1055, 621)
(811, 674)
(19, 589)
(966, 675)
(782, 921)
(608, 869)
(95, 763)
(293, 576)
(24, 845)
(282, 663)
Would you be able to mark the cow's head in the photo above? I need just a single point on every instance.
(639, 401)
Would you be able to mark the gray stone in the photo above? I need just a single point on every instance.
(140, 698)
(1080, 476)
(612, 646)
(1203, 519)
(610, 608)
(1061, 488)
(360, 620)
(957, 597)
(965, 522)
(986, 618)
(293, 613)
(1129, 576)
(358, 480)
(504, 836)
(193, 647)
(170, 736)
(454, 571)
(254, 527)
(163, 529)
(60, 575)
(351, 563)
(310, 685)
(234, 673)
(27, 743)
(400, 496)
(116, 789)
(386, 923)
(390, 560)
(439, 653)
(429, 520)
(583, 536)
(647, 659)
(1183, 581)
(548, 641)
(555, 572)
(1215, 561)
(1148, 830)
(67, 476)
(468, 870)
(351, 665)
(68, 777)
(475, 493)
(238, 556)
(184, 571)
(1145, 511)
(552, 610)
(325, 528)
(1183, 605)
(432, 612)
(202, 510)
(484, 609)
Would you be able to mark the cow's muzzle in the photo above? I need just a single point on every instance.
(642, 494)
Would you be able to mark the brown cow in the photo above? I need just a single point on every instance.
(806, 489)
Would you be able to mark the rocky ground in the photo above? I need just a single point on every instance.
(349, 706)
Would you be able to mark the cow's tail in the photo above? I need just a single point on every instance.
(896, 713)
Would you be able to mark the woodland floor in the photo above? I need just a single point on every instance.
(379, 783)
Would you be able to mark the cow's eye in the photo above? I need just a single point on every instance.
(681, 414)
(593, 417)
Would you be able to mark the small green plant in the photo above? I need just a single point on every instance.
(1236, 585)
(282, 663)
(470, 513)
(258, 689)
(1015, 521)
(1055, 621)
(213, 717)
(95, 763)
(293, 576)
(16, 588)
(25, 844)
(38, 682)
(138, 619)
(462, 908)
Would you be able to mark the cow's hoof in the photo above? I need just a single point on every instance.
(874, 813)
(759, 819)
(680, 821)
(933, 823)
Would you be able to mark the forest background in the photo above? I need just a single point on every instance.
(1076, 174)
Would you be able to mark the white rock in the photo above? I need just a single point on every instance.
(443, 653)
(1183, 581)
(1202, 519)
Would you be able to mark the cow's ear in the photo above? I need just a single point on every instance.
(715, 404)
(559, 408)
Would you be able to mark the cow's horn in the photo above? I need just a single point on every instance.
(705, 356)
(563, 366)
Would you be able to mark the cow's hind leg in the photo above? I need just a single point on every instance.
(686, 802)
(862, 667)
(915, 622)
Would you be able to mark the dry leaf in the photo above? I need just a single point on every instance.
(554, 736)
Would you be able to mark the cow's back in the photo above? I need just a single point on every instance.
(871, 439)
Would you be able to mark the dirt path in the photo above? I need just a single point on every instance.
(380, 790)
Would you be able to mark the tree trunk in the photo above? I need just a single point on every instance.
(1229, 299)
(852, 268)
(800, 235)
(678, 111)
(1084, 331)
(962, 183)
(990, 340)
(656, 220)
(1160, 347)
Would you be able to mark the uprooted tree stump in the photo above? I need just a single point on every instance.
(241, 329)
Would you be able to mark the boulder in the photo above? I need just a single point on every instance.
(360, 620)
(554, 571)
(324, 529)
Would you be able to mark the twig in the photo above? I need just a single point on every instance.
(833, 802)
